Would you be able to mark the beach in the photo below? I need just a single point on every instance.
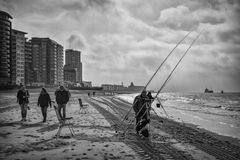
(99, 131)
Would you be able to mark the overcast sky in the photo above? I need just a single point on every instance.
(126, 40)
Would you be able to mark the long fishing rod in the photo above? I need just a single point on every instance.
(174, 70)
(155, 97)
(125, 117)
(170, 73)
(177, 64)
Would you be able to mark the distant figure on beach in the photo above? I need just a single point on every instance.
(62, 98)
(141, 113)
(93, 93)
(88, 94)
(44, 101)
(22, 99)
(149, 95)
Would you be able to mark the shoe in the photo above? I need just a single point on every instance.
(137, 132)
(44, 121)
(145, 133)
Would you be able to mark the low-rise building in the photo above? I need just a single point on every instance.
(132, 87)
(113, 87)
(87, 83)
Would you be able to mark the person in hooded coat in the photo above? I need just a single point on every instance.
(140, 109)
(44, 101)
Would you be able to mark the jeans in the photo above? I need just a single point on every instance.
(44, 113)
(24, 110)
(63, 108)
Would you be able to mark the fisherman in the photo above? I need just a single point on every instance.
(22, 99)
(62, 98)
(141, 112)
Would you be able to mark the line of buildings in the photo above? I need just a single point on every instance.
(35, 62)
(116, 87)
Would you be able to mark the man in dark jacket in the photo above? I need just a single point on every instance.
(140, 109)
(44, 101)
(22, 99)
(62, 97)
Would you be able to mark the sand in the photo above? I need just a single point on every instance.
(96, 137)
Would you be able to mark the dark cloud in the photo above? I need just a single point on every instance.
(19, 8)
(76, 42)
(51, 8)
(86, 4)
(230, 36)
(231, 49)
(213, 4)
(212, 19)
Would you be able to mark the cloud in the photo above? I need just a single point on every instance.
(182, 18)
(77, 42)
(232, 36)
(124, 41)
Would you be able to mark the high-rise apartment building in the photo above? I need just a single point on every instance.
(47, 61)
(18, 57)
(28, 63)
(60, 77)
(73, 62)
(5, 48)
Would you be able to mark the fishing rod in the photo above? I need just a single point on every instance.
(170, 74)
(173, 71)
(125, 117)
(155, 97)
(177, 64)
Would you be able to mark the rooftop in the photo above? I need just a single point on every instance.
(5, 13)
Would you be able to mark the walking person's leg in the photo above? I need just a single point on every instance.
(22, 111)
(64, 111)
(59, 110)
(42, 109)
(45, 113)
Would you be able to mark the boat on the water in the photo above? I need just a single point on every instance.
(208, 91)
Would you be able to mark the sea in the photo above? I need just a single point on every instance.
(216, 112)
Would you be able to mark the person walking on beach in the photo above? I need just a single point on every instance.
(44, 101)
(22, 99)
(140, 109)
(62, 98)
